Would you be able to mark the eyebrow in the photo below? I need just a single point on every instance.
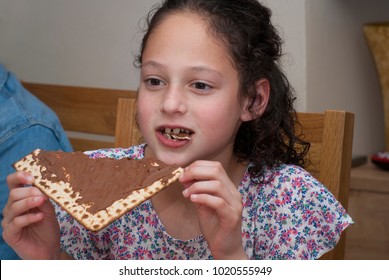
(155, 64)
(152, 63)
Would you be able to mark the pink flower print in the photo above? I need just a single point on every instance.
(105, 238)
(143, 235)
(284, 179)
(170, 255)
(129, 240)
(151, 221)
(115, 233)
(286, 236)
(270, 231)
(326, 228)
(286, 198)
(246, 235)
(123, 251)
(273, 251)
(75, 231)
(304, 255)
(249, 201)
(297, 183)
(311, 245)
(307, 214)
(95, 238)
(141, 254)
(314, 221)
(329, 217)
(282, 217)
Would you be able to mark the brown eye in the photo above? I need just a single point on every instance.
(154, 82)
(202, 87)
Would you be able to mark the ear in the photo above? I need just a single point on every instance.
(254, 107)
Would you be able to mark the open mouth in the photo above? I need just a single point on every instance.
(179, 134)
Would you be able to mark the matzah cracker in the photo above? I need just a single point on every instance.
(63, 194)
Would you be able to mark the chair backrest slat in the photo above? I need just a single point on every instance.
(88, 114)
(330, 156)
(127, 133)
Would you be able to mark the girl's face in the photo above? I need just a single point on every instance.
(189, 106)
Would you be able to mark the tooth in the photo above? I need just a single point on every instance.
(176, 131)
(168, 130)
(168, 136)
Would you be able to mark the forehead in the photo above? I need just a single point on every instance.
(186, 32)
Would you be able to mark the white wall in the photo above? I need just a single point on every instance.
(75, 42)
(289, 18)
(91, 43)
(340, 71)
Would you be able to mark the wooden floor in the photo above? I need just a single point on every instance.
(368, 238)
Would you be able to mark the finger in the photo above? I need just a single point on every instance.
(214, 190)
(219, 205)
(208, 187)
(21, 193)
(13, 228)
(231, 199)
(202, 170)
(208, 200)
(19, 179)
(18, 223)
(21, 207)
(18, 194)
(223, 209)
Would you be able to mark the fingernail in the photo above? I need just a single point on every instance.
(29, 177)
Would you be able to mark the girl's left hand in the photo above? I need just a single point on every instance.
(219, 207)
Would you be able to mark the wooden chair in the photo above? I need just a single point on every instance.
(88, 115)
(331, 136)
(127, 133)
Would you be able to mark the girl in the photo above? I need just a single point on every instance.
(212, 98)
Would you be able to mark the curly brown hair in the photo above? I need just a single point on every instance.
(245, 28)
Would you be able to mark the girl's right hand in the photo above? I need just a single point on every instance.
(30, 225)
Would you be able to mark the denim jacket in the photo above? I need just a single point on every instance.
(25, 125)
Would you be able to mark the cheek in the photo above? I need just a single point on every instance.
(145, 110)
(219, 121)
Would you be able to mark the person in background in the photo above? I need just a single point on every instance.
(25, 125)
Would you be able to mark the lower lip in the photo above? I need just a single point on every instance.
(170, 143)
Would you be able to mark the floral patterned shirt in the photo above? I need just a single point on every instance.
(291, 216)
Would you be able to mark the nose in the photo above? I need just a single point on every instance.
(174, 101)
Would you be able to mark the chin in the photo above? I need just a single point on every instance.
(173, 159)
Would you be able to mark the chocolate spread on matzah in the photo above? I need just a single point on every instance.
(101, 181)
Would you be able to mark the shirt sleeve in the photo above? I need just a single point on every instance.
(303, 219)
